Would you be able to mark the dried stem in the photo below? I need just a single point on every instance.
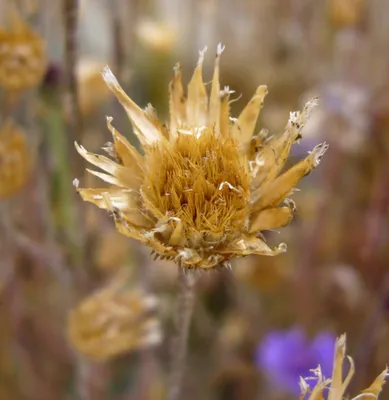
(70, 12)
(185, 304)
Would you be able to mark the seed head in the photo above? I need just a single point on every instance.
(206, 186)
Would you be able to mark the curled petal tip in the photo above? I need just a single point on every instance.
(219, 50)
(281, 248)
(177, 68)
(313, 103)
(109, 77)
(202, 55)
(317, 153)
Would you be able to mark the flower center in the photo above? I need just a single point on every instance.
(200, 179)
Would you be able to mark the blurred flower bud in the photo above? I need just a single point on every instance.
(114, 320)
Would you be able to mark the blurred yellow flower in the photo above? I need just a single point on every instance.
(205, 187)
(15, 159)
(156, 35)
(346, 12)
(336, 386)
(114, 320)
(22, 55)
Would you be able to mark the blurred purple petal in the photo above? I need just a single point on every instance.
(284, 356)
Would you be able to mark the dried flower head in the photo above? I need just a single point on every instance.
(15, 159)
(114, 320)
(337, 386)
(22, 55)
(205, 187)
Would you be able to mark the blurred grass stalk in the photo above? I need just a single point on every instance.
(74, 222)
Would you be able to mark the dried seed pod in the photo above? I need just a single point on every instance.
(200, 194)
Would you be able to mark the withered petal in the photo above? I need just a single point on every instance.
(126, 153)
(271, 218)
(274, 192)
(147, 132)
(197, 103)
(177, 102)
(214, 100)
(243, 129)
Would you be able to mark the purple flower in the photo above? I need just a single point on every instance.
(286, 355)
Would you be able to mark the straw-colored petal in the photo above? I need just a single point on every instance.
(244, 128)
(121, 176)
(197, 104)
(126, 153)
(253, 245)
(373, 391)
(274, 153)
(177, 237)
(335, 392)
(188, 256)
(224, 124)
(146, 130)
(177, 102)
(274, 192)
(125, 201)
(271, 218)
(214, 101)
(151, 114)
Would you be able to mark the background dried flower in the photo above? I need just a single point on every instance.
(54, 249)
(114, 320)
(16, 158)
(22, 55)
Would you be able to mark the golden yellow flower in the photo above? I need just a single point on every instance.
(114, 320)
(22, 56)
(336, 386)
(15, 159)
(205, 186)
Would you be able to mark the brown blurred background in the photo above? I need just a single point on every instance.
(56, 251)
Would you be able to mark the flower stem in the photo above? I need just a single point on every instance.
(184, 311)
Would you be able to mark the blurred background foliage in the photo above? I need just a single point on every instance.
(59, 257)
